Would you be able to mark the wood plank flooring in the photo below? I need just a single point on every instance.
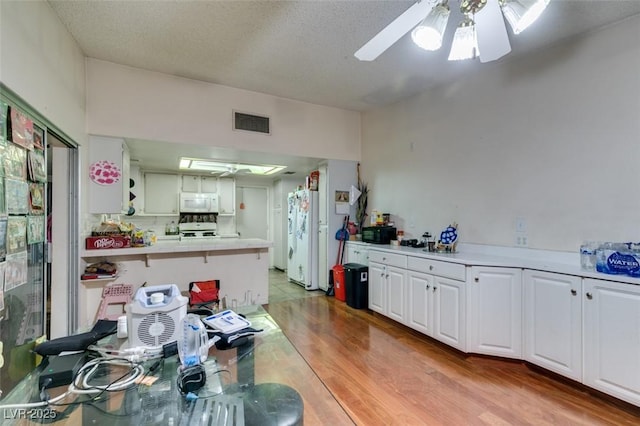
(383, 373)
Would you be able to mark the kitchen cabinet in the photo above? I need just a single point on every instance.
(420, 302)
(494, 311)
(161, 193)
(190, 183)
(611, 338)
(356, 253)
(226, 196)
(449, 312)
(387, 284)
(553, 322)
(108, 196)
(436, 300)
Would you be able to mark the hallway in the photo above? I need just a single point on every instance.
(280, 289)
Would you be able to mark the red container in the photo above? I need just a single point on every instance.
(339, 284)
(108, 242)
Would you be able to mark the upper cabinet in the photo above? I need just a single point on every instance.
(190, 183)
(161, 193)
(108, 175)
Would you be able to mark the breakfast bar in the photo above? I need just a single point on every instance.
(241, 265)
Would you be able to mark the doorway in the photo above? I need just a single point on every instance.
(252, 212)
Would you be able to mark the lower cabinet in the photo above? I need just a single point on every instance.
(494, 311)
(377, 288)
(449, 312)
(420, 307)
(387, 285)
(357, 253)
(553, 322)
(436, 304)
(612, 338)
(581, 328)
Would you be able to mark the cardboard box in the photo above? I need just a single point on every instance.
(108, 242)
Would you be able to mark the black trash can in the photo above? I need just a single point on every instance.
(356, 277)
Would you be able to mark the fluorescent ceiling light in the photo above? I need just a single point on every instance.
(228, 168)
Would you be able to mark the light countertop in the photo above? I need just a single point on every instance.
(479, 255)
(177, 246)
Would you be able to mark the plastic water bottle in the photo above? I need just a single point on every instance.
(588, 255)
(193, 346)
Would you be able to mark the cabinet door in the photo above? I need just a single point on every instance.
(160, 193)
(377, 288)
(396, 291)
(351, 253)
(449, 312)
(419, 302)
(612, 338)
(363, 256)
(226, 196)
(553, 322)
(190, 183)
(208, 184)
(494, 311)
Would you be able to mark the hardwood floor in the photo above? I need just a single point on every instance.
(383, 373)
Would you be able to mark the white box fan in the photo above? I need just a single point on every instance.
(154, 316)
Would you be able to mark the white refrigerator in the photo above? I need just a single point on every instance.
(302, 238)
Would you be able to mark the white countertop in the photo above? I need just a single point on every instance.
(479, 255)
(176, 246)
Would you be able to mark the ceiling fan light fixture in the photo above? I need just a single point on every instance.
(428, 34)
(522, 13)
(465, 41)
(227, 168)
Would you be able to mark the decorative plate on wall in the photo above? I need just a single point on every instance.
(105, 172)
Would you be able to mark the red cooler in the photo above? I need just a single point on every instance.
(339, 284)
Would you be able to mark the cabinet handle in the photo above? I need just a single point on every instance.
(427, 288)
(431, 267)
(387, 276)
(435, 288)
(573, 292)
(476, 279)
(384, 259)
(589, 296)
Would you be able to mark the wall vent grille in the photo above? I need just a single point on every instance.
(251, 123)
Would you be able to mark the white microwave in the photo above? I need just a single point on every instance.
(198, 202)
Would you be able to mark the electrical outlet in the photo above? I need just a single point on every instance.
(522, 241)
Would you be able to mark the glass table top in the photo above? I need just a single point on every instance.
(264, 381)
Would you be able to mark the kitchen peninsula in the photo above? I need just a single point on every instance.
(241, 265)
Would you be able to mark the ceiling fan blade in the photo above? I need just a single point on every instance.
(395, 30)
(493, 40)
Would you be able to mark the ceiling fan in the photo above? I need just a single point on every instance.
(482, 32)
(233, 170)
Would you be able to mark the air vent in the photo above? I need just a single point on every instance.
(251, 123)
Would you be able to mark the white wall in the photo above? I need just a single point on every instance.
(553, 138)
(41, 62)
(133, 103)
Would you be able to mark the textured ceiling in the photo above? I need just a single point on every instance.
(299, 49)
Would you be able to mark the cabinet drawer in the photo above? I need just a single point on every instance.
(391, 259)
(455, 271)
